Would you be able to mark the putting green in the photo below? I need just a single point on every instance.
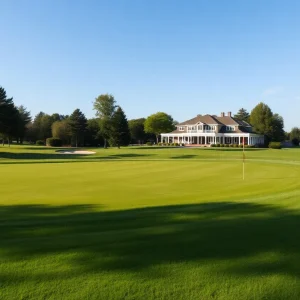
(149, 224)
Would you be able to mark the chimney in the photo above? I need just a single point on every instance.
(222, 114)
(229, 114)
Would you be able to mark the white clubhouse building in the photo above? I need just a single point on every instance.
(211, 129)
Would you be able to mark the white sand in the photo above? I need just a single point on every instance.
(77, 152)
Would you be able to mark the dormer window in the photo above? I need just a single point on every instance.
(181, 128)
(230, 128)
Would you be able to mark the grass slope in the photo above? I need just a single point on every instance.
(149, 224)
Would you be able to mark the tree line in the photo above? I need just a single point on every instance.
(269, 124)
(110, 126)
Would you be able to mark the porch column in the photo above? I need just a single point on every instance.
(205, 140)
(198, 139)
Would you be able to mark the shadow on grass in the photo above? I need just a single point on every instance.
(128, 155)
(184, 156)
(232, 149)
(65, 158)
(39, 156)
(137, 239)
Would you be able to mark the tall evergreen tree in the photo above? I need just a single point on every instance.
(78, 123)
(242, 115)
(24, 120)
(120, 135)
(93, 134)
(105, 106)
(9, 117)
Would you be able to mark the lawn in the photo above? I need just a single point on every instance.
(149, 223)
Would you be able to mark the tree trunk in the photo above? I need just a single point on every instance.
(157, 137)
(105, 144)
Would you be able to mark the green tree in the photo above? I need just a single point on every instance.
(295, 136)
(159, 123)
(23, 121)
(42, 124)
(261, 118)
(9, 117)
(120, 135)
(105, 106)
(278, 133)
(242, 115)
(62, 130)
(93, 135)
(137, 132)
(78, 123)
(57, 117)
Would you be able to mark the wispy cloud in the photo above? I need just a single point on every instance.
(272, 91)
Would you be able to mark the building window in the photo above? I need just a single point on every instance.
(181, 128)
(230, 128)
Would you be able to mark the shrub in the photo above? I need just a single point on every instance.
(275, 145)
(149, 144)
(235, 145)
(176, 144)
(240, 146)
(40, 143)
(54, 142)
(160, 144)
(221, 145)
(213, 145)
(218, 145)
(226, 145)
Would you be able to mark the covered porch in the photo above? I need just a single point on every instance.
(208, 139)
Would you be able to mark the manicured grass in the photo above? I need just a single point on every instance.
(149, 224)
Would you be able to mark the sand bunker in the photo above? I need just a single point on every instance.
(76, 152)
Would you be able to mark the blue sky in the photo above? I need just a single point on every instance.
(181, 57)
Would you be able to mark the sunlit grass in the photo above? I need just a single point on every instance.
(149, 224)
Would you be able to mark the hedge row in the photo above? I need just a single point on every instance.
(54, 142)
(232, 146)
(40, 143)
(169, 144)
(275, 145)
